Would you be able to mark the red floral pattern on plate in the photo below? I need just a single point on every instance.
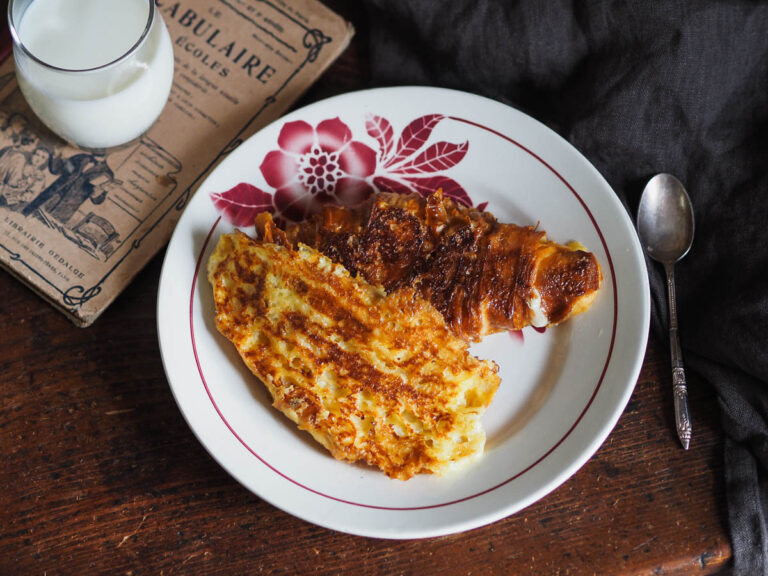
(315, 165)
(240, 204)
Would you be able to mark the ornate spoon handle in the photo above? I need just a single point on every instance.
(680, 387)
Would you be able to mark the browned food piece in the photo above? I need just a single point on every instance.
(482, 275)
(374, 377)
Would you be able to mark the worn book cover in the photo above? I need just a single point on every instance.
(78, 225)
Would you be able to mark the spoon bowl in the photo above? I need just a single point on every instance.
(665, 227)
(665, 219)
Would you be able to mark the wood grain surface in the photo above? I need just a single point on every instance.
(101, 474)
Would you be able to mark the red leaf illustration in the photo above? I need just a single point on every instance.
(414, 135)
(240, 204)
(380, 129)
(451, 188)
(438, 157)
(388, 185)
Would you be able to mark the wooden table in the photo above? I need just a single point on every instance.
(101, 475)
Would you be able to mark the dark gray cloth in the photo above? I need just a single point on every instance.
(641, 87)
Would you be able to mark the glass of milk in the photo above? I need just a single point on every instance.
(96, 72)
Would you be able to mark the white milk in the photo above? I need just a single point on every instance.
(98, 108)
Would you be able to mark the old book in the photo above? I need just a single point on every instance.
(78, 225)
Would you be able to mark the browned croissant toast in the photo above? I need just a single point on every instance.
(482, 275)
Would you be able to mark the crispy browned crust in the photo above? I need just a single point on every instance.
(482, 275)
(374, 378)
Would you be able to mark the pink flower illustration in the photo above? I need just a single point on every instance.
(314, 166)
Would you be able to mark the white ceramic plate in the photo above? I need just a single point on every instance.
(562, 390)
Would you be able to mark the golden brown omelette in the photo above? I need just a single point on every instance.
(374, 377)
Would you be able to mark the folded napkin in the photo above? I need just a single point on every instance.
(641, 87)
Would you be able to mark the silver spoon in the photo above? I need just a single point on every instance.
(665, 226)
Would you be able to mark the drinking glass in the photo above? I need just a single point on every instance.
(94, 107)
